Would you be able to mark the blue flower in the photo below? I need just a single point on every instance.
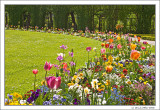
(63, 100)
(116, 97)
(10, 96)
(55, 97)
(44, 88)
(47, 103)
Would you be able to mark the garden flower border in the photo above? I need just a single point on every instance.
(156, 62)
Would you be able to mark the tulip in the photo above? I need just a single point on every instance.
(118, 38)
(106, 45)
(102, 44)
(110, 40)
(65, 66)
(48, 66)
(119, 46)
(133, 46)
(135, 55)
(111, 47)
(143, 48)
(109, 68)
(88, 49)
(125, 71)
(103, 51)
(35, 71)
(53, 82)
(129, 39)
(145, 42)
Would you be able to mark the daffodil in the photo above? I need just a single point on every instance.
(86, 90)
(94, 83)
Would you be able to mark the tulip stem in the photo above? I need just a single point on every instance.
(45, 75)
(34, 82)
(52, 96)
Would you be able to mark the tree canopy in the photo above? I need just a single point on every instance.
(136, 18)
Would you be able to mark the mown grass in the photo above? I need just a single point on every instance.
(25, 51)
(147, 36)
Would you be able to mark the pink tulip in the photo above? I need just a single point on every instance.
(129, 39)
(103, 51)
(119, 46)
(35, 71)
(143, 48)
(88, 49)
(48, 66)
(53, 82)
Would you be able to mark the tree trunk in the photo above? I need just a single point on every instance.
(51, 20)
(73, 21)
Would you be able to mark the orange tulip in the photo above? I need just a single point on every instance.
(110, 40)
(135, 55)
(138, 38)
(102, 44)
(109, 68)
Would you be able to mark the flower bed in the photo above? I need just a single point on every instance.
(121, 73)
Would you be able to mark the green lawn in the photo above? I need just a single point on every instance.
(25, 51)
(147, 36)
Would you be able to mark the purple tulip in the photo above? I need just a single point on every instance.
(111, 47)
(88, 49)
(145, 42)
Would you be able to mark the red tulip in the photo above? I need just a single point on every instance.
(106, 45)
(65, 66)
(35, 71)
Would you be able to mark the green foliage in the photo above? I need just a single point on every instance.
(101, 17)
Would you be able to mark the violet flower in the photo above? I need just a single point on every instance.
(72, 63)
(153, 77)
(88, 101)
(76, 102)
(63, 47)
(71, 54)
(60, 58)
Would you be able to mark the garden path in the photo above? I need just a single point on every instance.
(149, 42)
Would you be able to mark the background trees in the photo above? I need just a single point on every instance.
(136, 18)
